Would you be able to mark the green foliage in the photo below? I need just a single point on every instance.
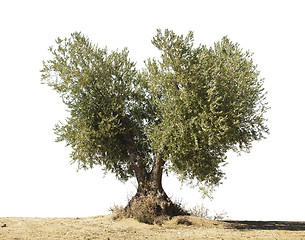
(191, 106)
(210, 100)
(101, 91)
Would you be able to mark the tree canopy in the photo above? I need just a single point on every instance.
(188, 108)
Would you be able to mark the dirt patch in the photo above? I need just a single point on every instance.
(104, 227)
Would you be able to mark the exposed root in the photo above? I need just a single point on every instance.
(150, 208)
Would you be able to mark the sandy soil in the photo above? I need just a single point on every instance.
(104, 227)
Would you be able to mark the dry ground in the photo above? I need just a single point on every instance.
(104, 227)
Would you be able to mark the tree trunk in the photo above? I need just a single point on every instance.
(151, 200)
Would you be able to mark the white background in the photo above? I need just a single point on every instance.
(36, 179)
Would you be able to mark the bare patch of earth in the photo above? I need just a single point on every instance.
(104, 227)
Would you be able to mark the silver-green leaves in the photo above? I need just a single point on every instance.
(191, 106)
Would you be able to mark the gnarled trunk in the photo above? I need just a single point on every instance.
(151, 200)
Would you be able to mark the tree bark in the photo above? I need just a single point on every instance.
(150, 198)
(134, 157)
(156, 173)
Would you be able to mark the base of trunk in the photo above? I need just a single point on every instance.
(150, 205)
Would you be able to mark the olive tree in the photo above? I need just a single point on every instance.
(182, 113)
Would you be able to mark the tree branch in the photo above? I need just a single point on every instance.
(134, 157)
(157, 170)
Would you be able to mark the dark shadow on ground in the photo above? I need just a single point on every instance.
(267, 225)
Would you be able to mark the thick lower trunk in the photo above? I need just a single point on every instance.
(151, 182)
(151, 200)
(155, 201)
(150, 203)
